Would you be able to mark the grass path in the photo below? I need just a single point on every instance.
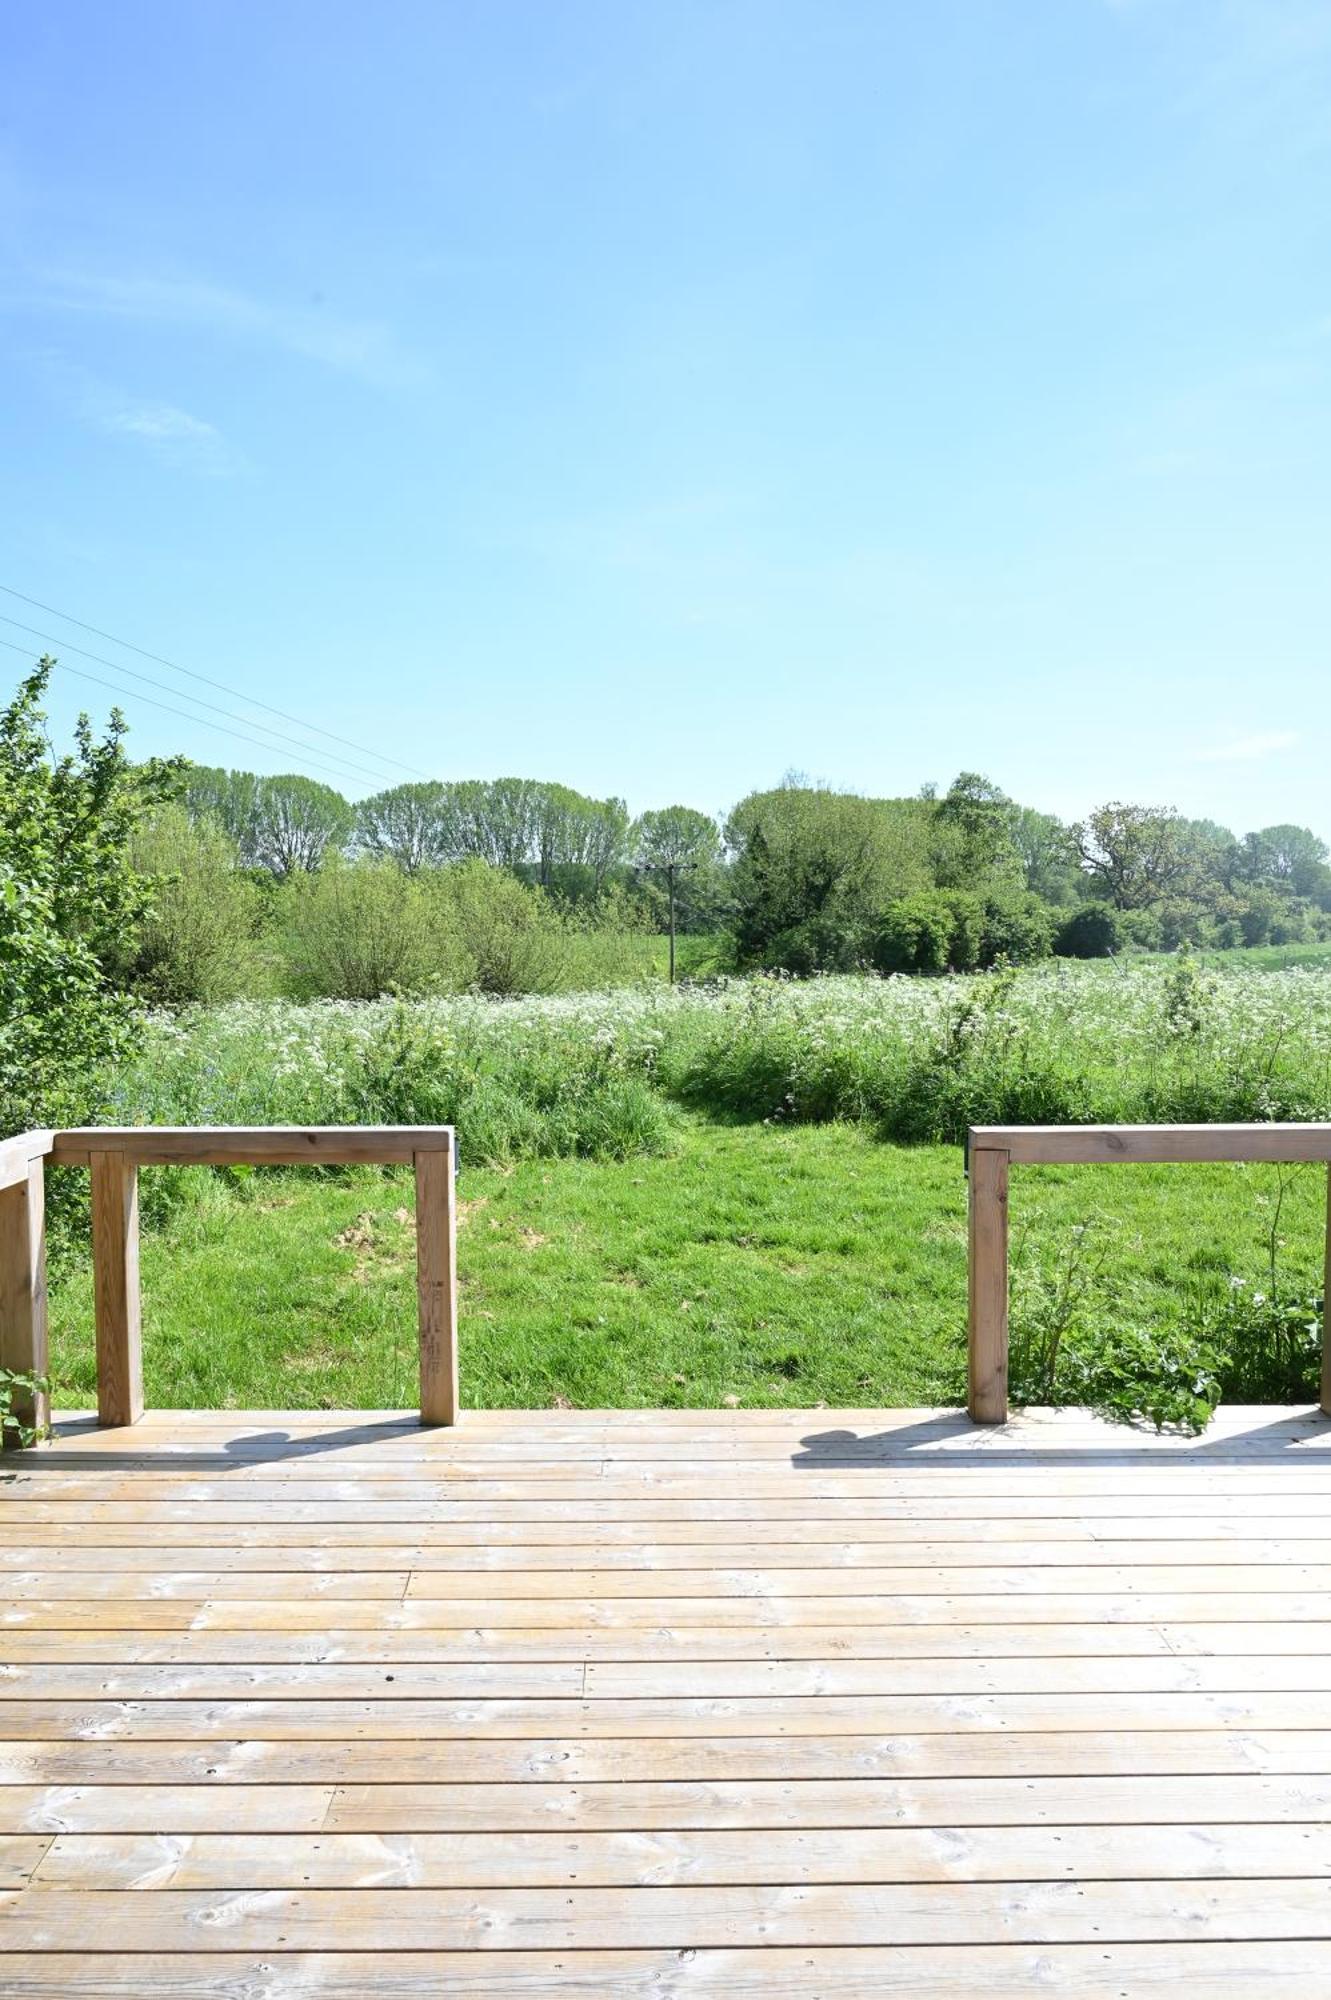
(776, 1265)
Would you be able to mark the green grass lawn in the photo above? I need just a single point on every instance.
(769, 1264)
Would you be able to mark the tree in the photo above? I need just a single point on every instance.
(1048, 853)
(197, 941)
(673, 844)
(414, 825)
(833, 860)
(1135, 855)
(675, 834)
(69, 897)
(228, 799)
(973, 824)
(296, 822)
(1289, 859)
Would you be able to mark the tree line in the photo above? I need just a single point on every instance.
(807, 878)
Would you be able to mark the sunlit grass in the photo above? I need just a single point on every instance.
(772, 1264)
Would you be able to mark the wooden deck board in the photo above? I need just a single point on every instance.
(666, 1702)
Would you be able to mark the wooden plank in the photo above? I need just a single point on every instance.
(756, 1804)
(606, 1613)
(558, 1860)
(691, 1918)
(18, 1154)
(20, 1855)
(130, 1809)
(956, 1583)
(656, 1718)
(342, 1521)
(701, 1759)
(115, 1253)
(634, 1806)
(58, 1634)
(987, 1340)
(401, 1679)
(581, 1556)
(23, 1313)
(436, 1285)
(1283, 1970)
(256, 1145)
(1051, 1145)
(88, 1586)
(1326, 1309)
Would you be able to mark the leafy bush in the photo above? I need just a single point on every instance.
(915, 935)
(68, 899)
(356, 931)
(1095, 930)
(1018, 929)
(197, 941)
(19, 1390)
(1268, 1346)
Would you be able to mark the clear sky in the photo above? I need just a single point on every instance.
(657, 394)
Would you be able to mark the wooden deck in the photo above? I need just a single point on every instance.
(810, 1703)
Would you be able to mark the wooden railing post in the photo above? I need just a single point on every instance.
(1326, 1308)
(988, 1328)
(115, 1274)
(436, 1284)
(23, 1349)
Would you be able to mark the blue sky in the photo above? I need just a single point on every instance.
(658, 396)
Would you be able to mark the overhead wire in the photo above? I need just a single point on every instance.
(160, 659)
(132, 694)
(118, 667)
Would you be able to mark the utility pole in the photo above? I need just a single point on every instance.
(671, 870)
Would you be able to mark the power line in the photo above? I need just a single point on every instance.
(66, 645)
(160, 660)
(132, 695)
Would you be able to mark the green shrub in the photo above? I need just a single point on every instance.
(197, 941)
(69, 897)
(1018, 929)
(1094, 930)
(509, 934)
(915, 935)
(357, 930)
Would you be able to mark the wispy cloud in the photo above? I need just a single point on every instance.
(1245, 749)
(173, 434)
(365, 348)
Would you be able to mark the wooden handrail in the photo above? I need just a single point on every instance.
(114, 1154)
(991, 1150)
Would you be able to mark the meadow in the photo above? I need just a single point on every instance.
(746, 1191)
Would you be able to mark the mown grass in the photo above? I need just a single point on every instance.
(772, 1264)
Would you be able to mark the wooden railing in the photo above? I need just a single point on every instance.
(993, 1149)
(113, 1156)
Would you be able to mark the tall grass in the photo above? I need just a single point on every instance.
(598, 1073)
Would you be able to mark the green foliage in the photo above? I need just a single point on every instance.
(297, 821)
(827, 859)
(915, 935)
(1134, 854)
(973, 833)
(228, 799)
(19, 1389)
(509, 933)
(413, 825)
(1096, 930)
(197, 941)
(951, 931)
(360, 929)
(1076, 1339)
(68, 899)
(1048, 855)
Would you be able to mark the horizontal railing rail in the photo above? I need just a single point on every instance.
(991, 1150)
(113, 1156)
